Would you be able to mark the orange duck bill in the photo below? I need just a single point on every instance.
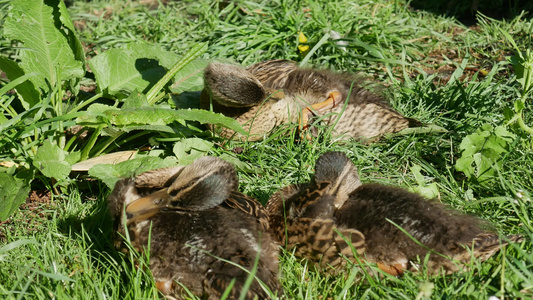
(148, 206)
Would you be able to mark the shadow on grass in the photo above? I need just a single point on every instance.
(465, 10)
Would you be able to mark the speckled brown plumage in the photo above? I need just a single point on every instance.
(335, 196)
(302, 217)
(271, 93)
(198, 223)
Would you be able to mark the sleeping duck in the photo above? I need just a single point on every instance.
(203, 234)
(398, 230)
(276, 92)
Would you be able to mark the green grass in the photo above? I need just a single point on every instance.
(63, 249)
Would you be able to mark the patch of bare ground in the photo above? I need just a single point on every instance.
(444, 62)
(33, 212)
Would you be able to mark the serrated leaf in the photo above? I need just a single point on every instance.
(110, 174)
(164, 116)
(482, 152)
(94, 116)
(46, 50)
(72, 38)
(50, 160)
(190, 78)
(29, 96)
(188, 150)
(158, 128)
(13, 192)
(135, 100)
(138, 66)
(503, 133)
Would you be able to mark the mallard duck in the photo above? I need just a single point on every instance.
(276, 92)
(319, 218)
(203, 233)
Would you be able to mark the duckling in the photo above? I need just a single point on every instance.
(271, 93)
(202, 233)
(310, 217)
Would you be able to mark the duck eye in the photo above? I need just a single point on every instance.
(158, 200)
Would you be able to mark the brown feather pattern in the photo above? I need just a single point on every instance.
(358, 113)
(194, 242)
(308, 218)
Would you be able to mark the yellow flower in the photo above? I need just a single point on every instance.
(302, 39)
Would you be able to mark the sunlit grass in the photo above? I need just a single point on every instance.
(64, 249)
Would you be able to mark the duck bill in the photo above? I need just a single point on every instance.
(147, 206)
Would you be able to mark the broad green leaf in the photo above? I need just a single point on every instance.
(72, 157)
(464, 164)
(98, 114)
(164, 116)
(188, 150)
(138, 66)
(46, 50)
(51, 161)
(190, 78)
(110, 174)
(94, 116)
(29, 96)
(155, 93)
(13, 192)
(72, 38)
(158, 128)
(135, 100)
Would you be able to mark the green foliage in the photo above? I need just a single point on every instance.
(111, 173)
(523, 67)
(13, 192)
(188, 150)
(47, 49)
(434, 69)
(164, 116)
(430, 190)
(28, 95)
(137, 66)
(483, 152)
(49, 68)
(53, 162)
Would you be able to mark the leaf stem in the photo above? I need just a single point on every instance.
(85, 103)
(195, 51)
(523, 126)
